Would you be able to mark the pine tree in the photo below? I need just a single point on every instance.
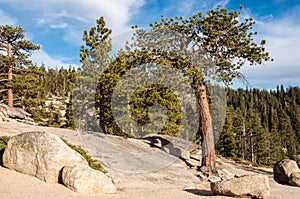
(290, 144)
(69, 114)
(216, 38)
(150, 95)
(94, 56)
(17, 51)
(276, 143)
(227, 144)
(266, 123)
(70, 84)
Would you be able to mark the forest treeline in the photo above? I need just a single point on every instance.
(45, 93)
(261, 126)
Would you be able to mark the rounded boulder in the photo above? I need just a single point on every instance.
(39, 154)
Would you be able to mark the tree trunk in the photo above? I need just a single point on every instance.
(101, 108)
(208, 145)
(252, 149)
(23, 106)
(244, 144)
(9, 77)
(130, 125)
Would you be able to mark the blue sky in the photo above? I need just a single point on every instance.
(57, 26)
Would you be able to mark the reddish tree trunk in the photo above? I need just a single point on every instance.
(208, 145)
(9, 77)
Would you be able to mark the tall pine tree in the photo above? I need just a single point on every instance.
(15, 51)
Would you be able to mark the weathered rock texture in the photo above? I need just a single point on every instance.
(283, 171)
(7, 113)
(295, 179)
(255, 186)
(83, 179)
(39, 154)
(184, 149)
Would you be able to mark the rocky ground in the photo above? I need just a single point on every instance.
(138, 171)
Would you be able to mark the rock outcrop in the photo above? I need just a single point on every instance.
(83, 179)
(295, 179)
(39, 154)
(184, 149)
(255, 186)
(7, 113)
(286, 172)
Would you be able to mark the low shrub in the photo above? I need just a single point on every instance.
(92, 162)
(3, 142)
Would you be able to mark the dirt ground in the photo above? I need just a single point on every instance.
(14, 185)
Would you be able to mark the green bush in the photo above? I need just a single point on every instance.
(3, 142)
(92, 163)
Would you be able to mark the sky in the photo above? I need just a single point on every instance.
(57, 26)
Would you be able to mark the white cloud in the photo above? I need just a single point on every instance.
(73, 36)
(222, 3)
(282, 36)
(6, 19)
(41, 57)
(59, 25)
(189, 7)
(72, 17)
(76, 15)
(185, 7)
(52, 22)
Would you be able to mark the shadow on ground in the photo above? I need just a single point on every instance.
(248, 168)
(199, 192)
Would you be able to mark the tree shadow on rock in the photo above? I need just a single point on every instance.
(199, 192)
(1, 157)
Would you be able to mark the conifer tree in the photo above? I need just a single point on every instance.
(15, 51)
(94, 57)
(70, 84)
(266, 123)
(217, 38)
(28, 88)
(150, 95)
(227, 142)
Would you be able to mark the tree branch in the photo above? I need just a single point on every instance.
(3, 90)
(3, 80)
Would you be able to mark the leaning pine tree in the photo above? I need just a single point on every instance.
(217, 45)
(14, 54)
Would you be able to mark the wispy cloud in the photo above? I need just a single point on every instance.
(79, 14)
(282, 36)
(189, 7)
(41, 57)
(6, 19)
(71, 17)
(117, 12)
(51, 23)
(222, 3)
(186, 6)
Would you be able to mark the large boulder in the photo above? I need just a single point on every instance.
(283, 169)
(39, 154)
(255, 186)
(83, 179)
(295, 179)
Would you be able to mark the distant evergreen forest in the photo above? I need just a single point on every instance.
(45, 93)
(261, 126)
